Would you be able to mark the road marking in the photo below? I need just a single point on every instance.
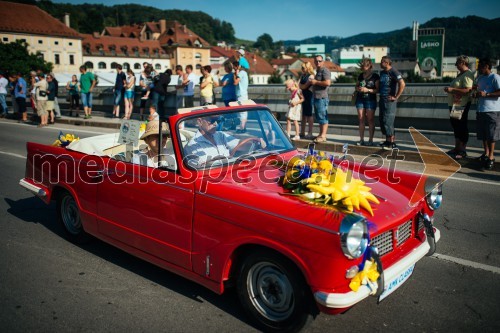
(12, 154)
(60, 128)
(468, 263)
(491, 182)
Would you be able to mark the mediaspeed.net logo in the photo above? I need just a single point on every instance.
(438, 167)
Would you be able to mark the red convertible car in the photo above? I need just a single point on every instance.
(226, 206)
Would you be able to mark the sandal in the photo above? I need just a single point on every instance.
(320, 139)
(460, 155)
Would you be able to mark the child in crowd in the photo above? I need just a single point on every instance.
(294, 108)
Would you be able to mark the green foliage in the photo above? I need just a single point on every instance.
(264, 42)
(15, 58)
(88, 18)
(345, 79)
(275, 78)
(414, 78)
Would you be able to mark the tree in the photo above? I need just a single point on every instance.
(264, 42)
(15, 58)
(275, 78)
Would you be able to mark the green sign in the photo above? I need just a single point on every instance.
(430, 52)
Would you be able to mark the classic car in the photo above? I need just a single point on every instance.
(232, 219)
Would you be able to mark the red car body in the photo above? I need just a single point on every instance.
(203, 224)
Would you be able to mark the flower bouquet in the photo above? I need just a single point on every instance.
(315, 178)
(64, 139)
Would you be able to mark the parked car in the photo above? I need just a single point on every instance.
(226, 219)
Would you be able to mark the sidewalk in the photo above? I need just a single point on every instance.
(337, 137)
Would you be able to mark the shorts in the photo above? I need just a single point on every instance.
(488, 126)
(87, 100)
(41, 108)
(21, 104)
(321, 110)
(367, 104)
(49, 106)
(205, 100)
(387, 115)
(129, 94)
(188, 101)
(117, 97)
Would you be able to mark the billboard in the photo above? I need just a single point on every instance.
(430, 49)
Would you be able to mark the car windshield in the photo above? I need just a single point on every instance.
(219, 139)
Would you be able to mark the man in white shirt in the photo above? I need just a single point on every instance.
(3, 95)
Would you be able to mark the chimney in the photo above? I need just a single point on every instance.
(66, 19)
(163, 26)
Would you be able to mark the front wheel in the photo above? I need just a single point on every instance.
(273, 292)
(68, 215)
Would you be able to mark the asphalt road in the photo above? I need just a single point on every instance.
(50, 285)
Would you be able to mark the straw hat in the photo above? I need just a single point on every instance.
(153, 128)
(241, 51)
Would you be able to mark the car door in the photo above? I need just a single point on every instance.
(147, 209)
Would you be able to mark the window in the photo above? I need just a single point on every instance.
(57, 60)
(114, 65)
(71, 59)
(157, 66)
(90, 65)
(198, 66)
(102, 65)
(126, 66)
(56, 42)
(40, 56)
(197, 55)
(137, 65)
(70, 43)
(40, 41)
(5, 39)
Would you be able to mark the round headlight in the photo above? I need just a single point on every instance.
(435, 197)
(353, 236)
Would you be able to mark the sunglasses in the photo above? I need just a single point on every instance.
(213, 120)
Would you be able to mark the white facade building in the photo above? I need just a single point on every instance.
(350, 56)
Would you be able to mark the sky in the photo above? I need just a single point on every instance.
(300, 19)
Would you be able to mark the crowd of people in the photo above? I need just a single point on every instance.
(308, 100)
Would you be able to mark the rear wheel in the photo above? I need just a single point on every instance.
(273, 292)
(68, 215)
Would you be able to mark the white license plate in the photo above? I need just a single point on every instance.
(397, 282)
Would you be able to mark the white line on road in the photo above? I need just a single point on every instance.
(57, 128)
(12, 154)
(467, 263)
(489, 182)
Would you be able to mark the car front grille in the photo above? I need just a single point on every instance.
(387, 241)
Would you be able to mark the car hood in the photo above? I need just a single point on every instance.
(260, 189)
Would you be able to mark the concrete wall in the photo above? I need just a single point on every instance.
(423, 106)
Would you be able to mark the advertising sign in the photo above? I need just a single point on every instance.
(430, 52)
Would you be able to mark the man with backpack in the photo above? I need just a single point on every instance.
(392, 86)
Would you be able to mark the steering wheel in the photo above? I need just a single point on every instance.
(253, 141)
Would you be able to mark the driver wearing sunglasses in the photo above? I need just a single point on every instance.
(208, 143)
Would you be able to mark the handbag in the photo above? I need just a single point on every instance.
(457, 112)
(42, 93)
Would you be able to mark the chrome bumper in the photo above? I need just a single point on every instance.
(346, 300)
(33, 188)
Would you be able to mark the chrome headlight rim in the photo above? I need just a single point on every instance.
(434, 197)
(353, 236)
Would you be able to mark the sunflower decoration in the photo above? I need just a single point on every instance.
(316, 178)
(65, 139)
